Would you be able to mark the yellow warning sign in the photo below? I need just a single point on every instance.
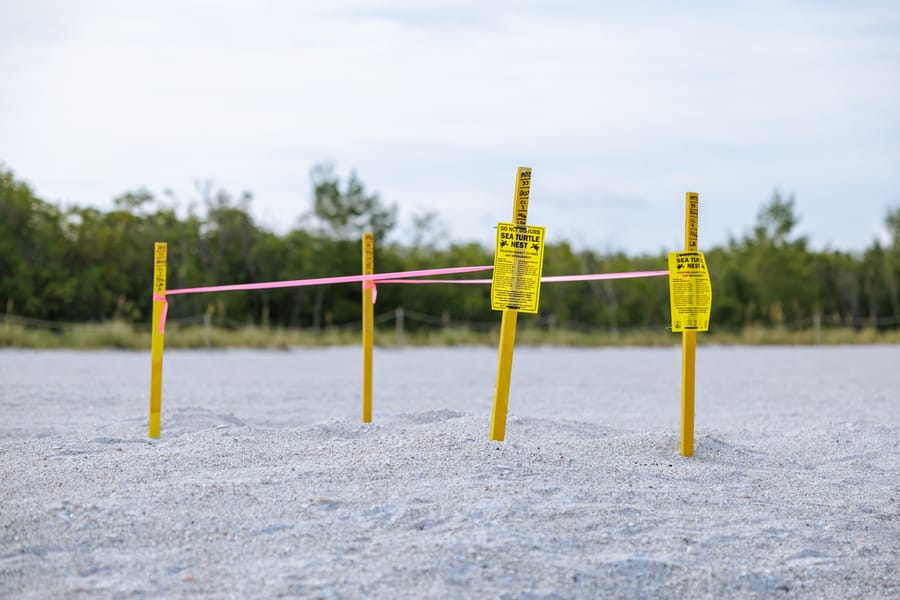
(518, 262)
(690, 291)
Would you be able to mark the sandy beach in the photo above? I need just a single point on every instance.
(266, 484)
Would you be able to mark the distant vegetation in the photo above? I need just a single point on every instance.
(64, 267)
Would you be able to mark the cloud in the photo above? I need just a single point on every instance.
(620, 109)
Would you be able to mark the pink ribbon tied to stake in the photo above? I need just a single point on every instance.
(162, 318)
(369, 284)
(368, 281)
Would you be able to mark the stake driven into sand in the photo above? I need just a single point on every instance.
(510, 314)
(689, 338)
(157, 336)
(368, 318)
(690, 299)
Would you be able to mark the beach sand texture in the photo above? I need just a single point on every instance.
(265, 484)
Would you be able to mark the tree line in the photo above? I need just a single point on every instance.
(81, 264)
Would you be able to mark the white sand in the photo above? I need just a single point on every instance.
(265, 485)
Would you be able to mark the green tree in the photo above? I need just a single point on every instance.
(82, 263)
(32, 253)
(778, 265)
(890, 270)
(348, 212)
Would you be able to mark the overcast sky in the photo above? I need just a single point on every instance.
(619, 107)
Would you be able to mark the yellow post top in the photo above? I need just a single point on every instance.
(160, 252)
(368, 253)
(523, 189)
(691, 221)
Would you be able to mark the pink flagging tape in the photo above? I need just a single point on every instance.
(598, 276)
(371, 284)
(549, 279)
(368, 281)
(165, 311)
(328, 280)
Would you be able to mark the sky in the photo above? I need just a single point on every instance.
(619, 108)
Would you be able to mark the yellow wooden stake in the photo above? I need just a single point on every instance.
(510, 317)
(156, 338)
(689, 338)
(368, 317)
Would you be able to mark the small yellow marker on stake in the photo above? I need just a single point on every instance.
(689, 338)
(510, 318)
(368, 317)
(156, 338)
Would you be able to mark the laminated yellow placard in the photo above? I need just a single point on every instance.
(690, 291)
(518, 262)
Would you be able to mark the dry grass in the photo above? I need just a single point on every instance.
(118, 334)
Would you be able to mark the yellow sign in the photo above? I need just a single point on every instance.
(690, 291)
(518, 262)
